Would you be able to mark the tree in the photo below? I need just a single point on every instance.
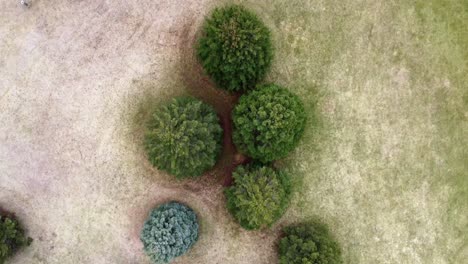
(169, 232)
(259, 197)
(184, 137)
(268, 123)
(235, 48)
(308, 243)
(12, 237)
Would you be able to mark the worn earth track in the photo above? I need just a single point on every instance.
(200, 86)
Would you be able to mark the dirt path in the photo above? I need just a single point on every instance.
(201, 86)
(72, 75)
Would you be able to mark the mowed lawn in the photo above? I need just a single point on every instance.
(384, 161)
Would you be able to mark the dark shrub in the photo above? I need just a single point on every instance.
(12, 237)
(308, 243)
(259, 196)
(184, 137)
(169, 232)
(235, 49)
(268, 123)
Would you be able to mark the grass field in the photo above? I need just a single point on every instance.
(383, 163)
(385, 159)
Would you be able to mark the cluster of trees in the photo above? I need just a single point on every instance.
(184, 139)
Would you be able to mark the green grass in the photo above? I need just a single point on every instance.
(384, 160)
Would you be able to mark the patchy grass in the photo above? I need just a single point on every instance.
(384, 161)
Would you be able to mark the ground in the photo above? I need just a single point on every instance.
(384, 160)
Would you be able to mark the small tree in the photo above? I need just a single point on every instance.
(169, 232)
(12, 237)
(235, 49)
(308, 243)
(184, 137)
(268, 123)
(259, 197)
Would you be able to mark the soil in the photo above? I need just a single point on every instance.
(202, 87)
(74, 75)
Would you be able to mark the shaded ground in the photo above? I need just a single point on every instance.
(198, 84)
(383, 161)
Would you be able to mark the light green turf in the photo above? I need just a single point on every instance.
(384, 160)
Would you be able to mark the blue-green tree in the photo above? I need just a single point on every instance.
(169, 232)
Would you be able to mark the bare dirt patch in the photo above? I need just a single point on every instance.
(74, 75)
